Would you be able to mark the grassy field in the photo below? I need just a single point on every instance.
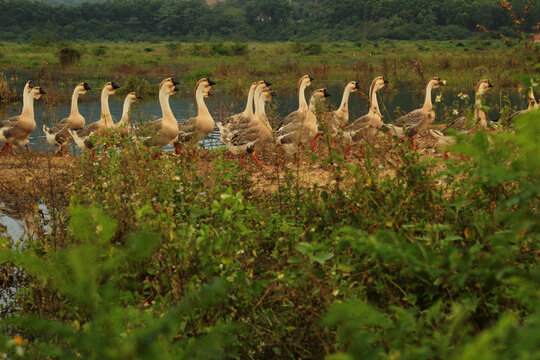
(235, 66)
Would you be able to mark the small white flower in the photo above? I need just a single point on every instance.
(444, 82)
(438, 98)
(455, 112)
(239, 252)
(99, 228)
(335, 292)
(280, 276)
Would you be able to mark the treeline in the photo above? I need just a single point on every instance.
(259, 20)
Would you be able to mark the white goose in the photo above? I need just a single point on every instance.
(302, 129)
(17, 129)
(366, 127)
(123, 127)
(83, 136)
(419, 120)
(59, 135)
(197, 128)
(251, 138)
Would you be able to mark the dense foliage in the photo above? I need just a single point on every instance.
(399, 258)
(265, 20)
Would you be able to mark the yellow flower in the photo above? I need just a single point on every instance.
(18, 340)
(176, 178)
(99, 228)
(280, 276)
(335, 292)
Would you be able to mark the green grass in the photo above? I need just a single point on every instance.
(462, 63)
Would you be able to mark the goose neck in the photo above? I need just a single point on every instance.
(28, 106)
(105, 111)
(302, 104)
(74, 104)
(345, 99)
(373, 103)
(427, 101)
(125, 110)
(201, 105)
(165, 106)
(249, 106)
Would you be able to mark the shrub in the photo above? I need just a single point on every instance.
(99, 50)
(221, 49)
(239, 49)
(68, 56)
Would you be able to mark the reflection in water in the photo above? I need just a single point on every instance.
(222, 105)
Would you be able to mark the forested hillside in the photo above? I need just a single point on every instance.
(268, 20)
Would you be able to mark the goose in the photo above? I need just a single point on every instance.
(165, 129)
(532, 105)
(197, 128)
(366, 126)
(419, 120)
(58, 135)
(123, 126)
(248, 139)
(105, 122)
(248, 111)
(479, 120)
(301, 129)
(303, 108)
(338, 119)
(243, 121)
(17, 129)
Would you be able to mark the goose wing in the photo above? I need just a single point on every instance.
(358, 129)
(411, 119)
(187, 131)
(289, 118)
(59, 126)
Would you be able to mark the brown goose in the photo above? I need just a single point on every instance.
(82, 137)
(419, 120)
(123, 127)
(366, 126)
(58, 135)
(17, 129)
(197, 128)
(479, 120)
(301, 129)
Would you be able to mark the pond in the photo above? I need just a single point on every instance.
(222, 104)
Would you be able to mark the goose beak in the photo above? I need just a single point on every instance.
(385, 81)
(176, 89)
(210, 82)
(267, 83)
(326, 94)
(490, 84)
(139, 97)
(115, 85)
(311, 78)
(86, 87)
(41, 91)
(175, 82)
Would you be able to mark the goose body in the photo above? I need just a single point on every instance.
(419, 120)
(302, 129)
(245, 121)
(123, 127)
(338, 119)
(250, 139)
(532, 105)
(197, 128)
(58, 134)
(17, 129)
(105, 122)
(367, 126)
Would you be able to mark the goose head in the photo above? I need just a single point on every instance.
(82, 88)
(305, 80)
(132, 97)
(36, 92)
(378, 83)
(168, 85)
(204, 85)
(436, 82)
(318, 98)
(266, 94)
(483, 86)
(110, 88)
(353, 86)
(29, 85)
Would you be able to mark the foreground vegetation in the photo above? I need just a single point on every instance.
(140, 66)
(395, 256)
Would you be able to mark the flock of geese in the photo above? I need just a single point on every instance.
(247, 132)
